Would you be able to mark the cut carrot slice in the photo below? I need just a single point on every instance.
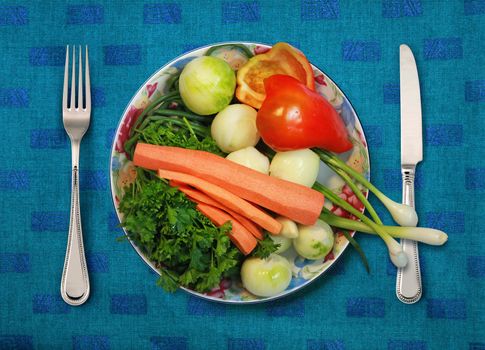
(200, 197)
(239, 235)
(294, 201)
(226, 198)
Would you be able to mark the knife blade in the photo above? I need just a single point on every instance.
(408, 282)
(411, 118)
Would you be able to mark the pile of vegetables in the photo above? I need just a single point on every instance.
(231, 153)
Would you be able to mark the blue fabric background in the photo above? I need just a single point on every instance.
(356, 43)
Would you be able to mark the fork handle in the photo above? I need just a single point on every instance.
(75, 280)
(408, 283)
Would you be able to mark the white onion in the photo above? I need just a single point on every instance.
(250, 157)
(315, 241)
(234, 128)
(266, 277)
(300, 166)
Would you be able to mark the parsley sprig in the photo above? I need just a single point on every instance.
(189, 249)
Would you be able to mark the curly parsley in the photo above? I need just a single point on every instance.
(190, 250)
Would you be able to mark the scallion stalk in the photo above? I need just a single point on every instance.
(178, 113)
(150, 107)
(402, 214)
(357, 192)
(396, 253)
(421, 234)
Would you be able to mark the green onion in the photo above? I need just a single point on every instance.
(421, 234)
(199, 129)
(151, 106)
(178, 113)
(404, 215)
(172, 82)
(357, 192)
(128, 146)
(357, 247)
(397, 255)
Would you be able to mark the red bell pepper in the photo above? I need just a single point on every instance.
(293, 117)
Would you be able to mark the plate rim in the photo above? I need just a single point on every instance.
(147, 261)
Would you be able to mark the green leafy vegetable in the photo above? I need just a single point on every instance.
(169, 134)
(265, 248)
(191, 251)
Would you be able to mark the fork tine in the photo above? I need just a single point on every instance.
(73, 79)
(88, 82)
(80, 82)
(66, 80)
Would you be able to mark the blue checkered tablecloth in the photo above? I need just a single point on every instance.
(356, 43)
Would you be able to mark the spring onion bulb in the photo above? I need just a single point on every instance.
(266, 277)
(299, 166)
(402, 214)
(396, 253)
(425, 235)
(315, 241)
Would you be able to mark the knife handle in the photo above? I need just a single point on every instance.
(408, 283)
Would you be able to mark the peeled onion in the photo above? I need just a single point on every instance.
(300, 166)
(250, 157)
(234, 128)
(266, 277)
(315, 241)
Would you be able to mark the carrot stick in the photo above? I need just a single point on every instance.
(255, 230)
(200, 197)
(195, 194)
(239, 235)
(226, 198)
(294, 201)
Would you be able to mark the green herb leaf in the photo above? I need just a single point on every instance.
(265, 248)
(168, 280)
(165, 223)
(167, 134)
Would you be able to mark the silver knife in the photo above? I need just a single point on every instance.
(408, 284)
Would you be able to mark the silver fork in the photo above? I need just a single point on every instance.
(75, 116)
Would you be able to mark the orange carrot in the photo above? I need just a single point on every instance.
(239, 235)
(297, 202)
(200, 197)
(193, 193)
(226, 198)
(255, 230)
